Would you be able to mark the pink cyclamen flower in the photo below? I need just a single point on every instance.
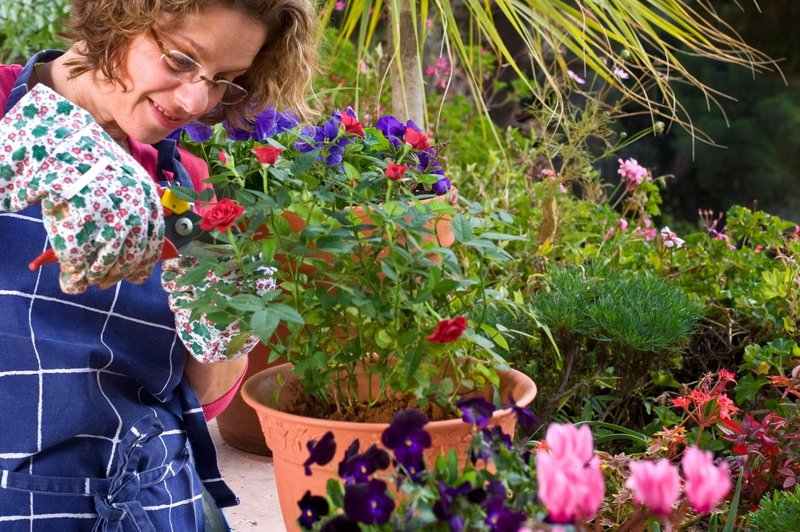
(670, 239)
(655, 485)
(569, 489)
(633, 173)
(706, 483)
(568, 442)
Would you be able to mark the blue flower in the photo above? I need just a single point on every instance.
(312, 509)
(356, 467)
(236, 133)
(324, 136)
(406, 437)
(392, 129)
(285, 121)
(441, 186)
(197, 131)
(320, 452)
(368, 503)
(266, 124)
(476, 410)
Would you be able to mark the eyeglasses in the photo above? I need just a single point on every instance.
(186, 70)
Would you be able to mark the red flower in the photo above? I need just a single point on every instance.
(416, 139)
(267, 154)
(223, 157)
(448, 330)
(352, 125)
(221, 215)
(395, 171)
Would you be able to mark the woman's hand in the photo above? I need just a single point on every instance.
(100, 208)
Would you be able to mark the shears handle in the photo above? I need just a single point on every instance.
(168, 251)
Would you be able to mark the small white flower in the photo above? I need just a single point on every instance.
(670, 239)
(621, 74)
(579, 80)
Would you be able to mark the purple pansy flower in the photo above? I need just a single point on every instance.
(312, 509)
(356, 467)
(447, 494)
(368, 503)
(496, 436)
(325, 135)
(476, 410)
(340, 523)
(406, 437)
(441, 186)
(320, 452)
(499, 518)
(526, 419)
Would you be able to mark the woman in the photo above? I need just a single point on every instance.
(103, 426)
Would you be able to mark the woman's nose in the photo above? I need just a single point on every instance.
(194, 98)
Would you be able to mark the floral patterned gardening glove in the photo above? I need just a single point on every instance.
(100, 208)
(205, 342)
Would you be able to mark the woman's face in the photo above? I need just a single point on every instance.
(222, 41)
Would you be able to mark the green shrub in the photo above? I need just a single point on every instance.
(778, 512)
(609, 328)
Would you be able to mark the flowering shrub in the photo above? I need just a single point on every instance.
(358, 222)
(505, 485)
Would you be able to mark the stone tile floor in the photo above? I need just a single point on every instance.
(252, 478)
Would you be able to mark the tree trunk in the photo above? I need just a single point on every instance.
(408, 91)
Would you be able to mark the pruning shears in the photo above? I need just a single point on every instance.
(182, 232)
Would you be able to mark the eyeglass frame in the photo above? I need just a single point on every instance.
(167, 55)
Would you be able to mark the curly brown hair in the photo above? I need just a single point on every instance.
(281, 73)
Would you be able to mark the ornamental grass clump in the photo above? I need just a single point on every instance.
(505, 485)
(601, 320)
(364, 229)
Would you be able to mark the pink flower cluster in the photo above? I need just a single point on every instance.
(633, 173)
(571, 485)
(656, 485)
(440, 71)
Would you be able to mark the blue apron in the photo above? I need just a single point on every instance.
(99, 429)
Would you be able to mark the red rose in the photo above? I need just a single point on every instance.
(448, 330)
(352, 125)
(221, 215)
(223, 157)
(395, 171)
(416, 139)
(267, 154)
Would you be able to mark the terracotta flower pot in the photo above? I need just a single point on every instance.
(238, 424)
(287, 434)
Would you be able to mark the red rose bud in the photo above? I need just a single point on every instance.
(221, 215)
(395, 171)
(448, 330)
(267, 154)
(223, 157)
(352, 125)
(416, 139)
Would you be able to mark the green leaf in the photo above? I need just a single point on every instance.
(462, 229)
(264, 322)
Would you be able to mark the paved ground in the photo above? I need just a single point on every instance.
(252, 478)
